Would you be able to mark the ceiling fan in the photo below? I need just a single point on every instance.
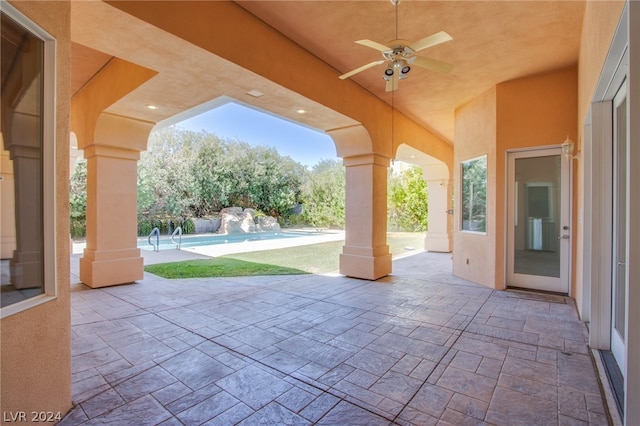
(400, 55)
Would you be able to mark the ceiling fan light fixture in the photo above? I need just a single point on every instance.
(400, 55)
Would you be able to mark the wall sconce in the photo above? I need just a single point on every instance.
(567, 149)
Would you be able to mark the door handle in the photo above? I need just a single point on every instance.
(564, 237)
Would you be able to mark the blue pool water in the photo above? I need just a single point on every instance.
(213, 239)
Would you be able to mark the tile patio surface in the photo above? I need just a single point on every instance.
(421, 347)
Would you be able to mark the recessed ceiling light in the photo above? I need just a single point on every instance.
(153, 106)
(301, 111)
(255, 93)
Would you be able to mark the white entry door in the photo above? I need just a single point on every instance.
(538, 220)
(619, 243)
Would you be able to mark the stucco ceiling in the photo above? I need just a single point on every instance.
(493, 42)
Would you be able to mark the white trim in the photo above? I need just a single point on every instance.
(618, 342)
(556, 284)
(598, 258)
(587, 206)
(622, 61)
(48, 163)
(632, 374)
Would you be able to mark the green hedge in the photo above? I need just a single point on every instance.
(78, 228)
(165, 225)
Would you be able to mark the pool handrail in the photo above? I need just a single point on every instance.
(156, 246)
(178, 231)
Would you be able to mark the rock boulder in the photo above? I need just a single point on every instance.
(268, 223)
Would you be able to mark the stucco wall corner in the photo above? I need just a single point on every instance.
(35, 344)
(475, 129)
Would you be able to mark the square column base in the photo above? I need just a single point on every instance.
(97, 273)
(365, 267)
(27, 270)
(438, 242)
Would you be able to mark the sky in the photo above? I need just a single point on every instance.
(234, 121)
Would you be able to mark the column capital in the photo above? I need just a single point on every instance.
(120, 132)
(366, 159)
(111, 151)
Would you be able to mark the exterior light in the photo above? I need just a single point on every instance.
(152, 106)
(567, 149)
(255, 93)
(301, 111)
(388, 72)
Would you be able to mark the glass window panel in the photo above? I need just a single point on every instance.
(537, 221)
(474, 195)
(21, 184)
(620, 220)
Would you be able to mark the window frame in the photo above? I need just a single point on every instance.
(49, 214)
(484, 157)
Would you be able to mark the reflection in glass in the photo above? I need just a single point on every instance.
(620, 220)
(21, 196)
(474, 195)
(537, 216)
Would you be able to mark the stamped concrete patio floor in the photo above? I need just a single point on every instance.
(420, 347)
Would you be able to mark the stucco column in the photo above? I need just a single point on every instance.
(27, 260)
(440, 218)
(111, 256)
(366, 253)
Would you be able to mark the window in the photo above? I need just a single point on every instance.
(27, 138)
(474, 195)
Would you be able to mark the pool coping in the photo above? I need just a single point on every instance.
(203, 252)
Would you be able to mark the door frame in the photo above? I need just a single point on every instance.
(618, 344)
(566, 217)
(623, 59)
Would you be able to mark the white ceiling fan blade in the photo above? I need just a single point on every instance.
(432, 64)
(392, 83)
(432, 40)
(374, 45)
(362, 68)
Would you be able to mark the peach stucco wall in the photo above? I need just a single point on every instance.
(36, 343)
(533, 111)
(600, 22)
(528, 112)
(474, 254)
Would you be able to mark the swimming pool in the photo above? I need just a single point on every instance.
(217, 239)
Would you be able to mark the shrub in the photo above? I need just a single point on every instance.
(188, 226)
(78, 228)
(407, 201)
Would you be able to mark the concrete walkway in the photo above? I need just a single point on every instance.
(420, 347)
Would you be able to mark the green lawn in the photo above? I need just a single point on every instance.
(311, 259)
(218, 267)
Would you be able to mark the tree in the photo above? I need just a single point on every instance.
(78, 199)
(407, 201)
(323, 194)
(165, 185)
(187, 173)
(474, 194)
